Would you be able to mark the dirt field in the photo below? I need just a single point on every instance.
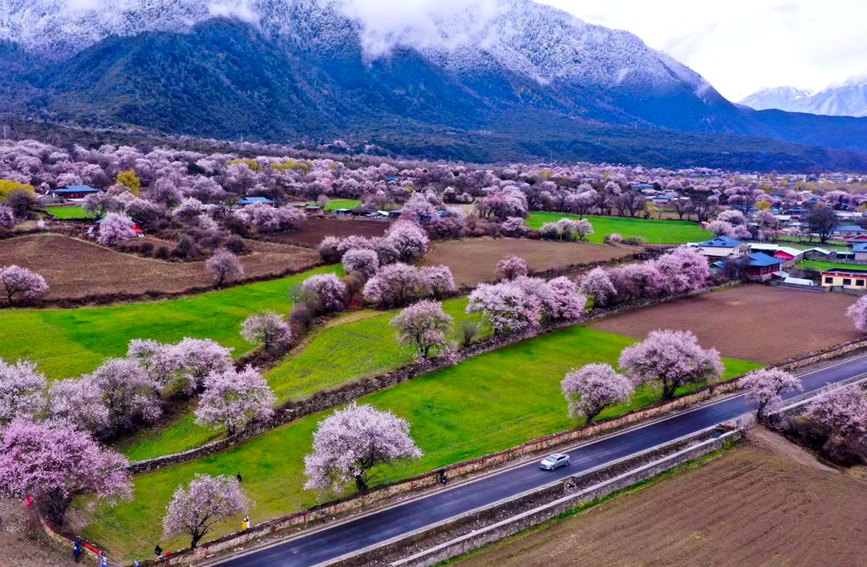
(755, 505)
(754, 322)
(23, 543)
(314, 230)
(473, 261)
(77, 268)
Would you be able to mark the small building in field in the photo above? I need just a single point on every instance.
(860, 252)
(848, 278)
(848, 232)
(761, 267)
(75, 192)
(722, 247)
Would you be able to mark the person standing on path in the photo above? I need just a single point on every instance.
(77, 550)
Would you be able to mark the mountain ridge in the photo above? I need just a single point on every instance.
(845, 98)
(304, 70)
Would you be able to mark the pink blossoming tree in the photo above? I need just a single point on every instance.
(205, 502)
(114, 229)
(129, 394)
(506, 305)
(765, 388)
(565, 302)
(672, 358)
(223, 266)
(857, 312)
(348, 444)
(78, 403)
(597, 284)
(361, 260)
(232, 399)
(594, 387)
(269, 329)
(510, 267)
(324, 293)
(396, 285)
(423, 326)
(408, 239)
(21, 390)
(22, 283)
(7, 217)
(55, 463)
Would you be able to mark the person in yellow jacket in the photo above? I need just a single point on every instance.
(245, 525)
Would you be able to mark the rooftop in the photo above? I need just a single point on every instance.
(721, 242)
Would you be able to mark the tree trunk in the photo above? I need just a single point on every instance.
(360, 483)
(668, 389)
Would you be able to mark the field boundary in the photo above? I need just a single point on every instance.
(148, 296)
(330, 398)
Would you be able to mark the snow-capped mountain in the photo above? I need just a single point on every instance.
(493, 73)
(848, 98)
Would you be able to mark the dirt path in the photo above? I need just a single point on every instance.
(765, 503)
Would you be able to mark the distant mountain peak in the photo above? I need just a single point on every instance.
(846, 98)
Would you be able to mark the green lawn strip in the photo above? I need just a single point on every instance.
(485, 404)
(820, 265)
(653, 231)
(353, 346)
(68, 342)
(340, 204)
(68, 213)
(795, 242)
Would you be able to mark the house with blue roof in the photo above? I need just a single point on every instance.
(722, 247)
(254, 201)
(849, 231)
(860, 251)
(75, 192)
(761, 267)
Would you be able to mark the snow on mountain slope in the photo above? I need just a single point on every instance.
(520, 36)
(841, 99)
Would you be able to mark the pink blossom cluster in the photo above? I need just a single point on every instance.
(396, 285)
(765, 388)
(198, 507)
(423, 326)
(510, 267)
(223, 266)
(672, 358)
(594, 387)
(232, 399)
(324, 293)
(114, 229)
(524, 302)
(269, 329)
(22, 284)
(349, 443)
(566, 229)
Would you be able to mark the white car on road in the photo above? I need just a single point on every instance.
(554, 462)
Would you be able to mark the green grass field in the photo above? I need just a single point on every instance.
(652, 231)
(68, 213)
(68, 342)
(353, 346)
(819, 265)
(485, 404)
(340, 204)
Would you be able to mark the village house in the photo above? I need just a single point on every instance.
(254, 201)
(848, 232)
(75, 192)
(848, 278)
(761, 267)
(722, 247)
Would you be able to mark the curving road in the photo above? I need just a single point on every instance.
(334, 541)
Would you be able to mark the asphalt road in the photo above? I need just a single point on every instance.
(332, 542)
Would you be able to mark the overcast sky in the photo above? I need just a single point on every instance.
(740, 46)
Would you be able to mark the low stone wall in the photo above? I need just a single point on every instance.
(66, 542)
(327, 399)
(387, 493)
(577, 493)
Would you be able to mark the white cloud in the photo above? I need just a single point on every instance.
(740, 46)
(386, 24)
(240, 9)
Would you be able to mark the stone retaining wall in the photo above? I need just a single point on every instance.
(345, 393)
(577, 493)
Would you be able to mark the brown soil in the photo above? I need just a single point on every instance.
(473, 261)
(22, 542)
(314, 230)
(753, 322)
(76, 268)
(752, 506)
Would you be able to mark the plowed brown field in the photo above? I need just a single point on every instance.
(752, 322)
(475, 260)
(76, 268)
(751, 506)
